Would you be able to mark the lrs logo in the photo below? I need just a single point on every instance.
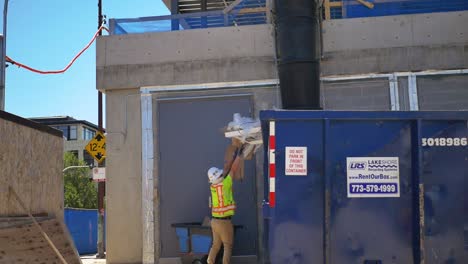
(357, 165)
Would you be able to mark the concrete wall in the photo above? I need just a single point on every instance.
(185, 57)
(395, 43)
(31, 162)
(127, 62)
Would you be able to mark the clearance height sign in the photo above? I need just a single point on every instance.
(296, 161)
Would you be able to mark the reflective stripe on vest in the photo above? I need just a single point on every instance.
(222, 198)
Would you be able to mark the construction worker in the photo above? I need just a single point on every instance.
(223, 208)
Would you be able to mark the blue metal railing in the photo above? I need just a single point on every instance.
(247, 12)
(354, 9)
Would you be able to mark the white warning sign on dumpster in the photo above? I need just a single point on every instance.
(296, 161)
(371, 177)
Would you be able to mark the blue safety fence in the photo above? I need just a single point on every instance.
(354, 8)
(247, 12)
(252, 12)
(82, 225)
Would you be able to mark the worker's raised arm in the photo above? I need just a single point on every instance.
(229, 158)
(233, 162)
(236, 164)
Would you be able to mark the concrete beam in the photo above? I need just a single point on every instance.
(189, 45)
(395, 31)
(399, 59)
(189, 72)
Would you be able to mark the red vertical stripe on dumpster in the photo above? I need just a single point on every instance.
(272, 199)
(272, 170)
(272, 142)
(272, 165)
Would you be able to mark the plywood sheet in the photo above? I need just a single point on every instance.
(31, 161)
(24, 244)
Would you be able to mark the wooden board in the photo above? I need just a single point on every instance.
(25, 244)
(31, 162)
(241, 133)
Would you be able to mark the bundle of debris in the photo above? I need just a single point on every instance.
(244, 132)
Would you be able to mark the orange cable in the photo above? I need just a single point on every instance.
(8, 59)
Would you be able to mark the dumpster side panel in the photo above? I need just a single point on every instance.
(370, 228)
(296, 230)
(444, 176)
(317, 219)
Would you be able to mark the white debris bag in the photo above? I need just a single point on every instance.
(247, 130)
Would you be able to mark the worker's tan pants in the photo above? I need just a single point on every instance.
(223, 234)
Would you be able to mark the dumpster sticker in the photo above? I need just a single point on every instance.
(296, 161)
(373, 177)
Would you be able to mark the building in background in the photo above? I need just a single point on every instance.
(77, 134)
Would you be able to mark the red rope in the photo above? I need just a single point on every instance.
(8, 59)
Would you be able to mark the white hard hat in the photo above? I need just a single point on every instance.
(214, 174)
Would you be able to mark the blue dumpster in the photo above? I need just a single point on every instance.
(82, 225)
(366, 187)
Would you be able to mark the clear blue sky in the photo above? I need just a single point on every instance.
(46, 35)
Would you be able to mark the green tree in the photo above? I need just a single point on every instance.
(80, 192)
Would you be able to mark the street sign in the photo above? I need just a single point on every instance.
(97, 147)
(99, 174)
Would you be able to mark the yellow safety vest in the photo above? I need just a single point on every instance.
(223, 204)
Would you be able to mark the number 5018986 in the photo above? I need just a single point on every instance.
(444, 142)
